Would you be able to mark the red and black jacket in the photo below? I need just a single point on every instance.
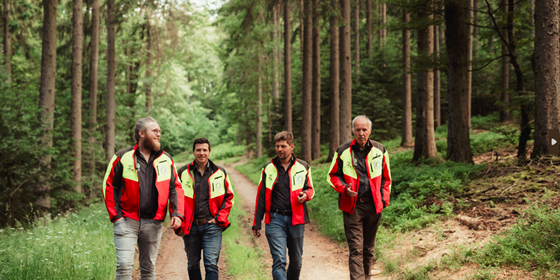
(300, 181)
(220, 195)
(343, 172)
(122, 186)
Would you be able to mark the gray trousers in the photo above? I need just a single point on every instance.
(147, 234)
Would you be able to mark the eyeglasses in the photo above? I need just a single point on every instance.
(157, 131)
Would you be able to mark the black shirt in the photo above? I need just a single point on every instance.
(281, 192)
(147, 179)
(361, 169)
(201, 193)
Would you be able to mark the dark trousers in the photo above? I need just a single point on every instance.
(281, 235)
(206, 238)
(361, 229)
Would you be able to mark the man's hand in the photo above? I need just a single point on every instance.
(302, 197)
(213, 221)
(175, 222)
(350, 192)
(118, 219)
(257, 233)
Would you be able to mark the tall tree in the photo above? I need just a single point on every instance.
(110, 134)
(458, 141)
(316, 110)
(93, 64)
(357, 36)
(307, 82)
(47, 89)
(7, 41)
(504, 112)
(425, 143)
(276, 55)
(382, 22)
(76, 114)
(470, 57)
(437, 94)
(547, 73)
(259, 105)
(369, 26)
(148, 73)
(407, 84)
(345, 75)
(287, 68)
(334, 70)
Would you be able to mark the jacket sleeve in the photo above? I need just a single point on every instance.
(227, 203)
(386, 180)
(308, 186)
(176, 195)
(336, 176)
(113, 188)
(260, 207)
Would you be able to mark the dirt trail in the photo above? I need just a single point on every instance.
(322, 258)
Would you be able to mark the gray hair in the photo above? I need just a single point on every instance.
(362, 117)
(142, 124)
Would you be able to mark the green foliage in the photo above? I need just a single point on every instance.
(78, 246)
(530, 244)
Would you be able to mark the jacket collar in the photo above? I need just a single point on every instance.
(276, 161)
(354, 143)
(159, 153)
(213, 167)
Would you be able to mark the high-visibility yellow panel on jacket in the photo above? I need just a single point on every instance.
(375, 162)
(271, 174)
(129, 172)
(348, 167)
(163, 168)
(298, 176)
(188, 184)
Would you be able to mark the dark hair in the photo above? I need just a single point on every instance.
(201, 141)
(141, 125)
(284, 136)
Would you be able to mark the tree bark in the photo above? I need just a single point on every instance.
(148, 73)
(334, 69)
(76, 88)
(316, 110)
(406, 140)
(458, 141)
(470, 57)
(383, 21)
(357, 37)
(287, 69)
(94, 64)
(259, 106)
(7, 41)
(547, 73)
(307, 83)
(425, 144)
(504, 112)
(437, 93)
(110, 135)
(47, 91)
(369, 26)
(345, 75)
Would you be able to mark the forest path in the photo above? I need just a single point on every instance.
(322, 257)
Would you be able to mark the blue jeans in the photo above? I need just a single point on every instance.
(207, 238)
(281, 235)
(128, 233)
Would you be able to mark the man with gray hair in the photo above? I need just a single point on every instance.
(138, 184)
(360, 173)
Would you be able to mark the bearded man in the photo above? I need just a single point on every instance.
(139, 183)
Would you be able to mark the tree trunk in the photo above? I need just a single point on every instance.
(369, 25)
(470, 57)
(148, 73)
(7, 42)
(47, 91)
(76, 114)
(437, 93)
(307, 83)
(357, 37)
(316, 110)
(547, 73)
(259, 106)
(110, 135)
(287, 69)
(94, 63)
(532, 2)
(425, 144)
(407, 85)
(504, 112)
(458, 141)
(275, 114)
(345, 75)
(475, 22)
(334, 139)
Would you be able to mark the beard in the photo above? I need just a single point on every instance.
(151, 144)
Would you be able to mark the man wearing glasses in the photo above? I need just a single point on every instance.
(139, 183)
